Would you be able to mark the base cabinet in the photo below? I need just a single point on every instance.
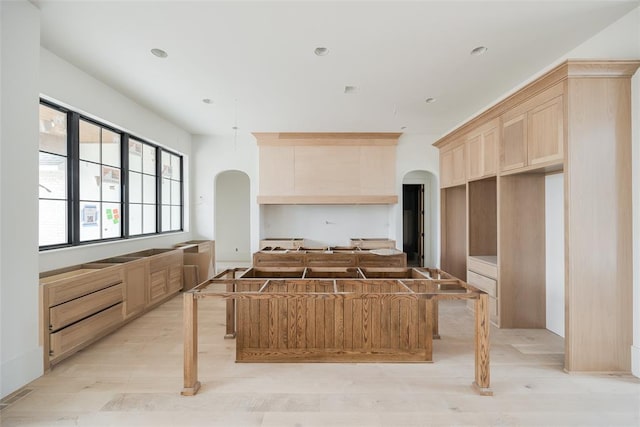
(83, 303)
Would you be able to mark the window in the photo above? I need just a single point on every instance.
(142, 188)
(171, 192)
(98, 183)
(52, 186)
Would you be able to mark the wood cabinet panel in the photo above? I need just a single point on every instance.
(513, 151)
(545, 129)
(483, 283)
(446, 169)
(65, 314)
(475, 160)
(327, 168)
(277, 170)
(72, 338)
(68, 286)
(136, 287)
(158, 285)
(490, 152)
(458, 171)
(453, 166)
(377, 170)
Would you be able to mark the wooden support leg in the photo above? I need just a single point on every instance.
(431, 304)
(190, 326)
(436, 332)
(481, 383)
(231, 314)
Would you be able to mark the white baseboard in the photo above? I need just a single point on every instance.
(20, 371)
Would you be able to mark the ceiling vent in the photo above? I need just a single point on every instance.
(350, 90)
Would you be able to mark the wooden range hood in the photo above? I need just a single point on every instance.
(327, 168)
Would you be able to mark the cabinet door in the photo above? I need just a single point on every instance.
(175, 278)
(158, 285)
(446, 168)
(513, 146)
(489, 152)
(545, 136)
(475, 160)
(458, 170)
(136, 287)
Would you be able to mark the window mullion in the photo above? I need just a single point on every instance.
(124, 183)
(74, 177)
(158, 190)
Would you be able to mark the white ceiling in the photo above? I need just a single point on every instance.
(255, 60)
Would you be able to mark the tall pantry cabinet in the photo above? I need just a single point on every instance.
(575, 119)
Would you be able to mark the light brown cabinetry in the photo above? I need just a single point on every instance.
(327, 168)
(452, 166)
(80, 304)
(83, 303)
(482, 146)
(533, 133)
(575, 119)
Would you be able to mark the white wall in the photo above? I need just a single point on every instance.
(416, 153)
(232, 220)
(326, 225)
(21, 358)
(211, 156)
(554, 252)
(66, 84)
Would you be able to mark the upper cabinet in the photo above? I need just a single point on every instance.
(482, 145)
(532, 132)
(327, 168)
(452, 166)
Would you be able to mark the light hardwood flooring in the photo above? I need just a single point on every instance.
(134, 377)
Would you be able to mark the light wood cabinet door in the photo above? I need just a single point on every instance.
(545, 132)
(481, 154)
(446, 168)
(158, 288)
(475, 157)
(490, 152)
(136, 289)
(513, 147)
(458, 171)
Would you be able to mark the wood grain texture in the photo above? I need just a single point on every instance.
(522, 251)
(482, 217)
(190, 326)
(598, 226)
(326, 138)
(454, 231)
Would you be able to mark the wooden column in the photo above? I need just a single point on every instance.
(231, 313)
(432, 328)
(482, 345)
(190, 325)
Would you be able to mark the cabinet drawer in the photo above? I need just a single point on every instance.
(69, 339)
(73, 288)
(483, 283)
(483, 268)
(72, 311)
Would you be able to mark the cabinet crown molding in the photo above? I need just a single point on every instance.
(325, 139)
(572, 68)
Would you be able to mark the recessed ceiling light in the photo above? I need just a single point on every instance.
(403, 128)
(430, 100)
(480, 50)
(234, 127)
(321, 51)
(350, 89)
(207, 101)
(159, 53)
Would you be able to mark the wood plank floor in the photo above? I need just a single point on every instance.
(134, 377)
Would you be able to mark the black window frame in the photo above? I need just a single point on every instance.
(73, 185)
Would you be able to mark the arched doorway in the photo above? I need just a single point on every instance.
(231, 217)
(419, 218)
